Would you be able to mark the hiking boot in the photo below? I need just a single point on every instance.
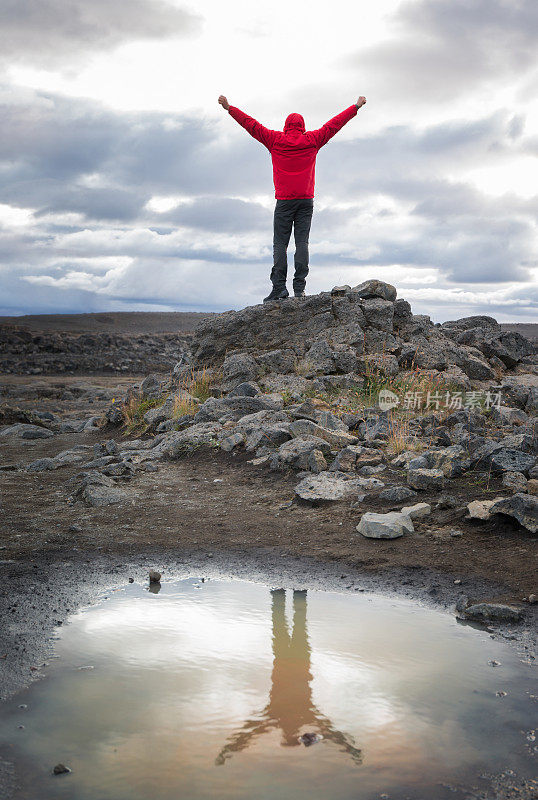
(276, 294)
(301, 295)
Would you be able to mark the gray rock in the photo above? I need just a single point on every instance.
(280, 361)
(375, 288)
(152, 385)
(268, 435)
(238, 368)
(24, 431)
(234, 408)
(379, 313)
(481, 509)
(493, 612)
(395, 494)
(418, 511)
(157, 415)
(316, 461)
(230, 442)
(98, 496)
(295, 453)
(451, 460)
(384, 526)
(514, 480)
(250, 422)
(327, 486)
(305, 427)
(509, 460)
(247, 389)
(41, 465)
(523, 507)
(176, 444)
(425, 478)
(154, 576)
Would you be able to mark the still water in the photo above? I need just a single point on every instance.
(202, 690)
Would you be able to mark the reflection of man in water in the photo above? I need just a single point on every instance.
(290, 707)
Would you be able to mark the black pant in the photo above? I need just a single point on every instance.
(288, 213)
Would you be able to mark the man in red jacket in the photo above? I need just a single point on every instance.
(293, 152)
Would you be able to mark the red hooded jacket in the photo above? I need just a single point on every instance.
(294, 149)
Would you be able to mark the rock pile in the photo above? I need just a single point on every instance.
(269, 364)
(348, 329)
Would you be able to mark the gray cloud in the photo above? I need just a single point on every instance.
(442, 49)
(49, 33)
(60, 156)
(225, 215)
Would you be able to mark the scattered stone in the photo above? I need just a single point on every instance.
(327, 486)
(425, 478)
(456, 533)
(154, 576)
(481, 509)
(98, 496)
(418, 511)
(384, 526)
(395, 494)
(60, 769)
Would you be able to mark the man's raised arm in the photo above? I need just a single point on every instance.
(252, 126)
(327, 131)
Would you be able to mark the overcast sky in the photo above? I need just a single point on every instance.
(124, 186)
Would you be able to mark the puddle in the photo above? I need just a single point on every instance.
(203, 690)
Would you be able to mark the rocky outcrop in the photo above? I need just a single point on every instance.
(339, 332)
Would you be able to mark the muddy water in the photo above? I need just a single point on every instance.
(202, 690)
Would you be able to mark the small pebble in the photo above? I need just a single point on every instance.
(494, 663)
(131, 580)
(60, 769)
(154, 576)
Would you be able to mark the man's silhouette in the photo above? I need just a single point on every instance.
(290, 705)
(293, 152)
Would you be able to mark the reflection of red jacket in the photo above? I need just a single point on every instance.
(293, 150)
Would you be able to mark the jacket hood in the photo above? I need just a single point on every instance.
(294, 122)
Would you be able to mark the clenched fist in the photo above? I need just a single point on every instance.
(360, 102)
(225, 104)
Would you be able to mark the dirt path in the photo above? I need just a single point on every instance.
(217, 502)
